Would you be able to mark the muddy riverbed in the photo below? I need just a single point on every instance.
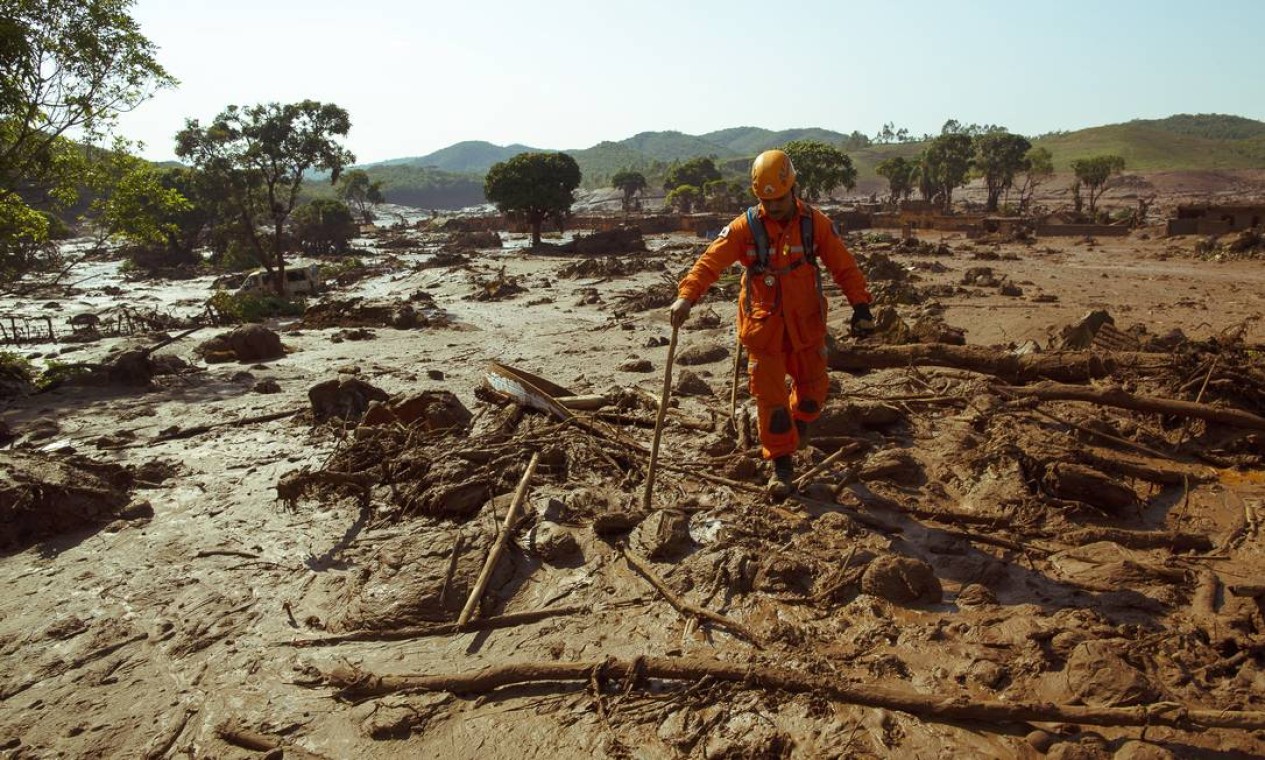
(245, 555)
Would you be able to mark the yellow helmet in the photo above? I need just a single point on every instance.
(772, 175)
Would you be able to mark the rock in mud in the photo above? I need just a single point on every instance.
(702, 355)
(976, 595)
(267, 386)
(690, 384)
(895, 465)
(248, 343)
(784, 572)
(552, 542)
(43, 496)
(429, 410)
(1085, 748)
(345, 399)
(134, 367)
(1098, 675)
(847, 417)
(402, 584)
(636, 365)
(1075, 482)
(901, 580)
(662, 534)
(1137, 750)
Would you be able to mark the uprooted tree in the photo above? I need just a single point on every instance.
(69, 68)
(260, 154)
(537, 185)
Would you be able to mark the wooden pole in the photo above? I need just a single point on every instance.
(733, 391)
(486, 574)
(658, 423)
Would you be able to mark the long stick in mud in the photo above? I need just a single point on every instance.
(658, 423)
(477, 592)
(355, 684)
(733, 391)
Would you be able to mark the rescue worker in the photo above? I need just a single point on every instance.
(781, 309)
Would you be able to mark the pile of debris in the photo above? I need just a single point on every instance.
(417, 312)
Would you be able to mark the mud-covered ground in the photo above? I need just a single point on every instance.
(243, 554)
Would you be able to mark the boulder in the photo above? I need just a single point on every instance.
(901, 580)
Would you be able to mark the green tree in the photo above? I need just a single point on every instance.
(537, 185)
(999, 156)
(946, 163)
(260, 154)
(900, 175)
(323, 227)
(1038, 168)
(724, 195)
(360, 193)
(820, 168)
(68, 69)
(1095, 174)
(684, 198)
(630, 183)
(696, 172)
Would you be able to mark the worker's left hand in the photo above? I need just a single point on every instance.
(862, 320)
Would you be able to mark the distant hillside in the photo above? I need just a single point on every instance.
(749, 141)
(1174, 144)
(471, 156)
(452, 177)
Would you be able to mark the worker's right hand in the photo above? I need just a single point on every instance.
(862, 320)
(679, 311)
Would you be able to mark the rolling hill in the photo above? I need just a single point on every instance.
(1182, 142)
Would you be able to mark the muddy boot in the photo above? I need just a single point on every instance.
(781, 482)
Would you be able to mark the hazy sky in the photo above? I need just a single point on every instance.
(417, 76)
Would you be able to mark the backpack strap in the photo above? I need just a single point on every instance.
(761, 237)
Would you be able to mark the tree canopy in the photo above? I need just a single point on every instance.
(1094, 174)
(899, 173)
(945, 165)
(537, 185)
(820, 168)
(360, 193)
(69, 70)
(999, 156)
(260, 154)
(630, 183)
(696, 172)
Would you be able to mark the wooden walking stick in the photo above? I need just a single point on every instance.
(658, 423)
(733, 392)
(477, 592)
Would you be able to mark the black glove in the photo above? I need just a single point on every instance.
(862, 319)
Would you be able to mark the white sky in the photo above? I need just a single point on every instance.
(418, 76)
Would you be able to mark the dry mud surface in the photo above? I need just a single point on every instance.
(267, 557)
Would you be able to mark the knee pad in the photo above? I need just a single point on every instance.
(780, 422)
(809, 406)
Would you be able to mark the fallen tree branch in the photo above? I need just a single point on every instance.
(189, 432)
(355, 684)
(684, 607)
(1138, 539)
(511, 516)
(443, 629)
(1121, 399)
(1067, 367)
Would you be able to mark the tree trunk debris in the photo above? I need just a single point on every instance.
(355, 684)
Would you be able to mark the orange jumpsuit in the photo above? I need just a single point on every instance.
(781, 316)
